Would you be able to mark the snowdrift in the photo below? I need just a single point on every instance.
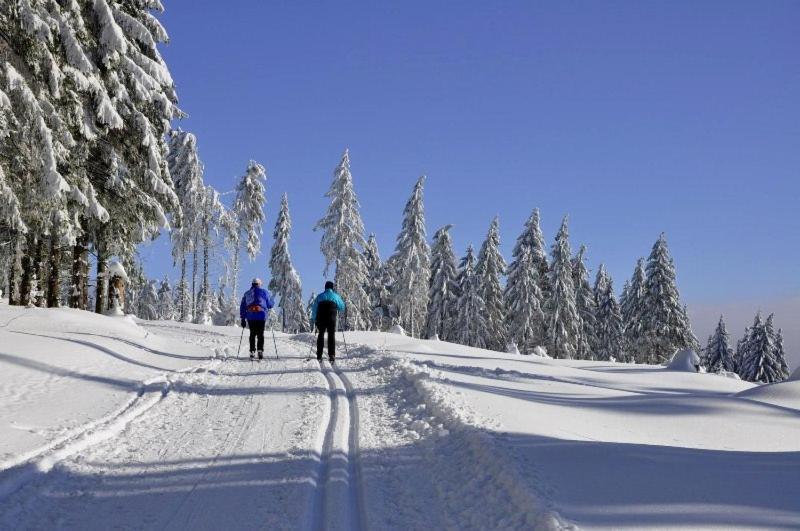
(784, 394)
(684, 360)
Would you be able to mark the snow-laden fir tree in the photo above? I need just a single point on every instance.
(246, 217)
(633, 307)
(148, 304)
(718, 355)
(211, 214)
(763, 360)
(443, 287)
(411, 264)
(342, 245)
(166, 303)
(470, 327)
(525, 316)
(533, 238)
(377, 292)
(585, 303)
(490, 269)
(665, 326)
(608, 325)
(187, 173)
(563, 320)
(285, 282)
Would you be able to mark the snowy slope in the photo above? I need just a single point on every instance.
(148, 428)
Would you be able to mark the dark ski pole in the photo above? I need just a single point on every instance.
(239, 350)
(274, 343)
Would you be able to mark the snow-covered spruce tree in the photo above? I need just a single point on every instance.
(166, 303)
(718, 355)
(211, 213)
(377, 290)
(665, 326)
(633, 307)
(285, 282)
(443, 287)
(525, 316)
(470, 327)
(585, 303)
(608, 326)
(187, 173)
(533, 239)
(780, 354)
(761, 360)
(411, 263)
(148, 304)
(247, 217)
(490, 269)
(343, 243)
(563, 320)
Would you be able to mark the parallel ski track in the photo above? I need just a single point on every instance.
(339, 384)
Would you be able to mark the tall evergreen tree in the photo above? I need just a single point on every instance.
(166, 302)
(443, 287)
(563, 321)
(411, 263)
(762, 360)
(247, 217)
(343, 243)
(608, 327)
(533, 238)
(633, 307)
(585, 303)
(471, 327)
(525, 316)
(665, 326)
(211, 213)
(377, 292)
(718, 355)
(148, 303)
(490, 269)
(285, 282)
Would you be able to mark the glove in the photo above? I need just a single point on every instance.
(244, 323)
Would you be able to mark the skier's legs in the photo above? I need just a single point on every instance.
(252, 326)
(320, 339)
(259, 334)
(331, 340)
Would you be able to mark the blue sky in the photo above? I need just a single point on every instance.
(632, 117)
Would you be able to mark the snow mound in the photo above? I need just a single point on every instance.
(785, 394)
(685, 361)
(115, 269)
(434, 338)
(397, 329)
(512, 348)
(540, 352)
(795, 377)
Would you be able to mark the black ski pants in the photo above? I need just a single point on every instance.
(330, 328)
(256, 334)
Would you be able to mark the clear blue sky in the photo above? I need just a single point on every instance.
(632, 117)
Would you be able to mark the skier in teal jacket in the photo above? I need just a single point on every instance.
(326, 308)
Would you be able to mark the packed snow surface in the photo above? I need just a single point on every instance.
(116, 423)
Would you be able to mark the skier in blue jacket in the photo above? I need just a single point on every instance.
(326, 307)
(253, 312)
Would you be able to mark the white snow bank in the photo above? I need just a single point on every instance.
(785, 394)
(397, 329)
(61, 369)
(115, 269)
(685, 361)
(795, 375)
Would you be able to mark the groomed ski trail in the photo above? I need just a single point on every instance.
(339, 501)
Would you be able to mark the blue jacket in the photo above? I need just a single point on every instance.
(327, 295)
(255, 304)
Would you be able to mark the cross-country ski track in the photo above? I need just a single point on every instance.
(157, 425)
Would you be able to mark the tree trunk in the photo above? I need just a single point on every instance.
(79, 298)
(235, 281)
(182, 286)
(38, 270)
(102, 281)
(54, 277)
(194, 280)
(27, 271)
(14, 270)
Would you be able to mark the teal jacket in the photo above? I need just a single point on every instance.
(327, 295)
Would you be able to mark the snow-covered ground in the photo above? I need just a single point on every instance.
(110, 423)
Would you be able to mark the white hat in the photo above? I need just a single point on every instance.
(257, 281)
